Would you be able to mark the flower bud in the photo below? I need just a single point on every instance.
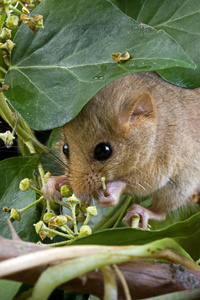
(51, 223)
(72, 199)
(12, 22)
(35, 23)
(38, 226)
(85, 230)
(38, 19)
(48, 216)
(25, 10)
(6, 209)
(43, 234)
(92, 210)
(66, 191)
(43, 231)
(5, 33)
(25, 19)
(14, 214)
(8, 138)
(60, 220)
(24, 184)
(6, 57)
(9, 45)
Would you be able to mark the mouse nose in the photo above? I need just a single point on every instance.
(84, 185)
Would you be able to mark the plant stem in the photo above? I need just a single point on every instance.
(36, 190)
(87, 219)
(2, 19)
(110, 217)
(73, 210)
(58, 244)
(15, 9)
(103, 182)
(42, 174)
(11, 2)
(123, 210)
(4, 71)
(7, 115)
(110, 284)
(123, 282)
(58, 233)
(31, 205)
(67, 229)
(61, 203)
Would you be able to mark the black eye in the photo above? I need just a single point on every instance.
(102, 151)
(66, 150)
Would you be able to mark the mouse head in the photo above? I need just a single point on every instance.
(112, 137)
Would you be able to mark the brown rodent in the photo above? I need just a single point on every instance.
(143, 135)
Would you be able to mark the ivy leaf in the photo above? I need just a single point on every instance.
(179, 19)
(9, 289)
(55, 72)
(13, 170)
(186, 233)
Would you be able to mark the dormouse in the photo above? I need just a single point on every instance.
(142, 134)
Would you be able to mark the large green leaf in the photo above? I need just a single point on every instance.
(13, 170)
(9, 289)
(181, 20)
(55, 72)
(187, 233)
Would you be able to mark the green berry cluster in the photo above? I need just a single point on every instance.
(12, 14)
(52, 224)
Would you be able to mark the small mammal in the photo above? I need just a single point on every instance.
(142, 134)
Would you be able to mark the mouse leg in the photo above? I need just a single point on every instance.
(174, 194)
(144, 214)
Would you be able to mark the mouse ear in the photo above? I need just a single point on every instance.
(140, 109)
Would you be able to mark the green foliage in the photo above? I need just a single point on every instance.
(180, 20)
(55, 72)
(8, 289)
(13, 170)
(185, 232)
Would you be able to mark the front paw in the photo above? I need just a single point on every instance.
(112, 195)
(51, 189)
(144, 215)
